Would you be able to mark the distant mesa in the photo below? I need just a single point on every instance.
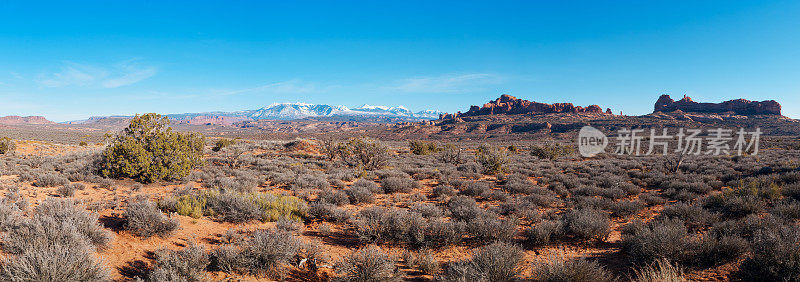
(738, 106)
(213, 120)
(24, 120)
(511, 105)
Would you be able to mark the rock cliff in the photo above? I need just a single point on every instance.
(511, 105)
(738, 106)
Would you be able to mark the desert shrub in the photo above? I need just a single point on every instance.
(519, 185)
(336, 197)
(10, 214)
(652, 199)
(544, 201)
(398, 184)
(451, 154)
(308, 181)
(68, 190)
(626, 208)
(345, 174)
(274, 207)
(787, 209)
(426, 263)
(439, 233)
(551, 151)
(463, 208)
(364, 153)
(368, 184)
(328, 212)
(694, 216)
(68, 214)
(238, 208)
(470, 168)
(49, 179)
(388, 173)
(746, 227)
(7, 146)
(285, 224)
(53, 262)
(556, 270)
(499, 261)
(463, 271)
(712, 250)
(544, 232)
(368, 264)
(187, 264)
(190, 205)
(775, 256)
(476, 189)
(586, 224)
(381, 225)
(359, 195)
(264, 252)
(144, 219)
(660, 271)
(488, 228)
(734, 206)
(419, 147)
(148, 150)
(663, 239)
(56, 244)
(497, 195)
(325, 229)
(267, 250)
(792, 191)
(222, 143)
(492, 159)
(228, 258)
(330, 148)
(444, 191)
(427, 210)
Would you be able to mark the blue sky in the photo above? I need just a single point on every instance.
(69, 60)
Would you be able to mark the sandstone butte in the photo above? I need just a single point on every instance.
(511, 105)
(24, 120)
(738, 106)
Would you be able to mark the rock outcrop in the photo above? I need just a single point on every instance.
(24, 120)
(511, 105)
(738, 106)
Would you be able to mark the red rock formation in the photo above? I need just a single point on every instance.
(510, 105)
(24, 120)
(738, 106)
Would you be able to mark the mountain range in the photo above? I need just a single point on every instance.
(293, 111)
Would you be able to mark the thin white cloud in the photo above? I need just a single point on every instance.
(82, 75)
(133, 76)
(294, 86)
(446, 83)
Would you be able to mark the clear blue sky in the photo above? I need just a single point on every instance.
(74, 59)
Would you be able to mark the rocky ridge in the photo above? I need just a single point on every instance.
(511, 105)
(736, 107)
(24, 120)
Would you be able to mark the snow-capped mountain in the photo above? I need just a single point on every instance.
(430, 114)
(289, 111)
(383, 110)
